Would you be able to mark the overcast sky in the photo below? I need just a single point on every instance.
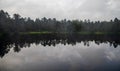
(60, 9)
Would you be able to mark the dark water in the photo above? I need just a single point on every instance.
(55, 52)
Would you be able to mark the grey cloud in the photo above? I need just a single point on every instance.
(60, 9)
(63, 57)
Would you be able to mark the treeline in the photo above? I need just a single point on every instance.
(18, 24)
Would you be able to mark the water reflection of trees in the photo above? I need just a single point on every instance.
(20, 41)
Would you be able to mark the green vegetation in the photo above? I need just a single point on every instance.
(19, 25)
(81, 33)
(35, 32)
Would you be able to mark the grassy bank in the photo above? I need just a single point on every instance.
(81, 33)
(35, 32)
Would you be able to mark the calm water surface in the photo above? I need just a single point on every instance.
(81, 56)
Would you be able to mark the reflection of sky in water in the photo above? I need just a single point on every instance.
(63, 58)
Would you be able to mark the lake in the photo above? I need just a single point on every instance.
(60, 52)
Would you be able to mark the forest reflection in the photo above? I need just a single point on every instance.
(21, 41)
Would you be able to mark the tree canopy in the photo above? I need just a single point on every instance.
(18, 24)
